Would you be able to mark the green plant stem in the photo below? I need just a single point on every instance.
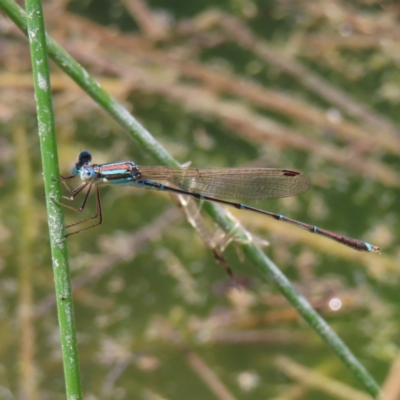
(260, 260)
(41, 76)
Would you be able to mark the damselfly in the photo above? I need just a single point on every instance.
(209, 184)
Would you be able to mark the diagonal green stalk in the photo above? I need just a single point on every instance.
(45, 116)
(260, 260)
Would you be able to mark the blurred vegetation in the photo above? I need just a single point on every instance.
(303, 85)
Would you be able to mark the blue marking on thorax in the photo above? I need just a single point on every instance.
(315, 229)
(112, 172)
(127, 181)
(281, 217)
(369, 247)
(118, 174)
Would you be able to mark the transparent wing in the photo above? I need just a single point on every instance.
(234, 183)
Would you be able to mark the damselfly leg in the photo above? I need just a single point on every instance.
(74, 193)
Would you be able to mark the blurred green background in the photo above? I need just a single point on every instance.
(298, 85)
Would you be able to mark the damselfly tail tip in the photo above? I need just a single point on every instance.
(374, 249)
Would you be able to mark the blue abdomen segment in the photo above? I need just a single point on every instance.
(149, 184)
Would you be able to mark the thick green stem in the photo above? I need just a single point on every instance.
(41, 76)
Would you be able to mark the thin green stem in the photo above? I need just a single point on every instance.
(41, 76)
(268, 269)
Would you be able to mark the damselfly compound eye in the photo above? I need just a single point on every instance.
(84, 158)
(87, 174)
